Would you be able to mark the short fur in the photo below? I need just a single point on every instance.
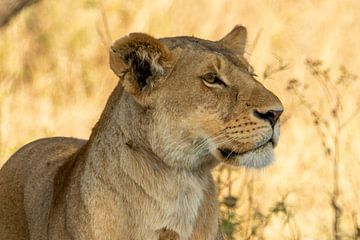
(145, 172)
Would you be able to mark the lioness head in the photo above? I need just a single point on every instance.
(201, 99)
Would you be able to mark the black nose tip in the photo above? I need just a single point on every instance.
(272, 115)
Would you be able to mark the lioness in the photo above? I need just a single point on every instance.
(182, 106)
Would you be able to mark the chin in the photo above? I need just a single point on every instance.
(257, 158)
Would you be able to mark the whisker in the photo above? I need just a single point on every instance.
(206, 141)
(200, 148)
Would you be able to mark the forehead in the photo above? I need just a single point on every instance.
(207, 46)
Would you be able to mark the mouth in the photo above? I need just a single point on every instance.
(255, 158)
(228, 153)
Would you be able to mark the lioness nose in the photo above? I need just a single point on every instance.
(272, 115)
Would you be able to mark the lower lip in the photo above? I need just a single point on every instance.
(235, 154)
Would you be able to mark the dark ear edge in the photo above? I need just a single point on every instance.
(235, 40)
(141, 54)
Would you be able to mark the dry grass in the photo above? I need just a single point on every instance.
(54, 80)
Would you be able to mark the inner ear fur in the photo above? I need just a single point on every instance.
(235, 40)
(141, 55)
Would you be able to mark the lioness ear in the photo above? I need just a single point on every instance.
(141, 55)
(235, 40)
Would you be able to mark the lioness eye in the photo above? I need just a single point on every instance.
(212, 78)
(251, 71)
(253, 75)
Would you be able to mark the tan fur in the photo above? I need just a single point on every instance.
(145, 172)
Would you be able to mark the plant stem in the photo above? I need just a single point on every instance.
(335, 196)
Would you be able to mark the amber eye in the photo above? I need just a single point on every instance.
(251, 71)
(212, 79)
(253, 75)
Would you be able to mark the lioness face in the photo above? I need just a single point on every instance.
(205, 105)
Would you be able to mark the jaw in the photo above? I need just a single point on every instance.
(256, 158)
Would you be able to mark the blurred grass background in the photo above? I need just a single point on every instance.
(55, 79)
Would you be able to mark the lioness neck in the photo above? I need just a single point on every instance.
(121, 173)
